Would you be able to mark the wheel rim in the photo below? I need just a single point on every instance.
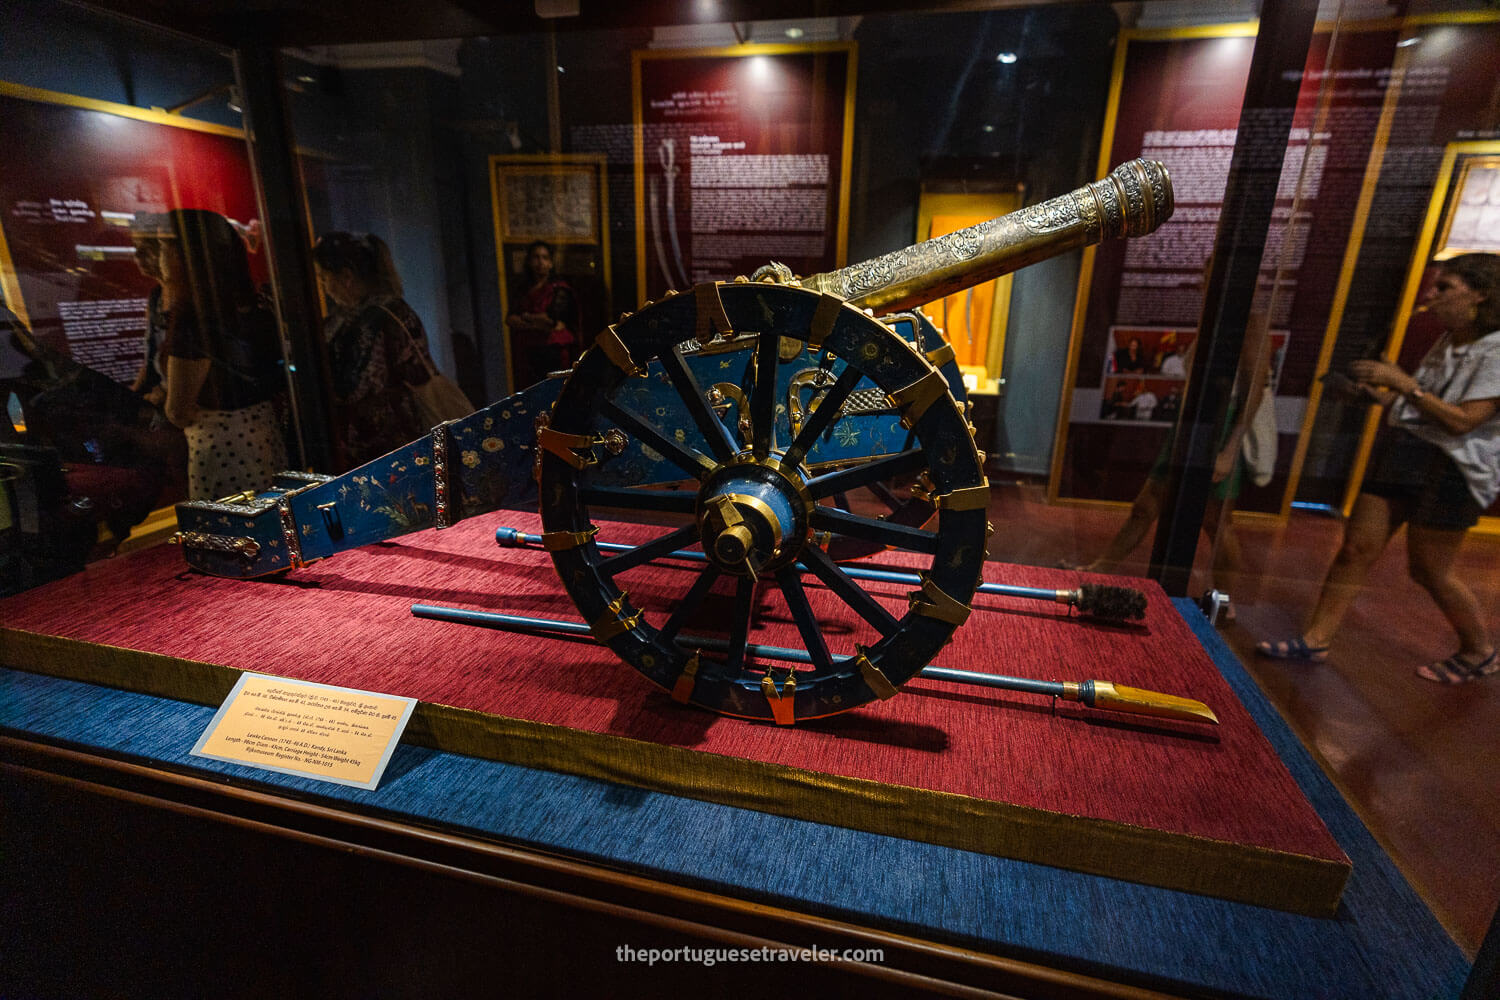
(756, 507)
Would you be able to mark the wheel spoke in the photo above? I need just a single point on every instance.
(885, 495)
(862, 475)
(690, 603)
(689, 460)
(671, 501)
(875, 530)
(711, 427)
(823, 415)
(739, 625)
(848, 591)
(802, 613)
(763, 396)
(685, 535)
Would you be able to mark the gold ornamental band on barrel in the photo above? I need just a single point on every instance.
(1133, 200)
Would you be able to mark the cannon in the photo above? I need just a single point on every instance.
(745, 412)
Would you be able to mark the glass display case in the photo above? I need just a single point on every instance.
(1204, 413)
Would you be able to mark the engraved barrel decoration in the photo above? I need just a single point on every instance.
(1133, 200)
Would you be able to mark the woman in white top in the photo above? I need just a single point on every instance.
(1435, 468)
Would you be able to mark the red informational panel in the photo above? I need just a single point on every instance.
(742, 158)
(1177, 99)
(76, 174)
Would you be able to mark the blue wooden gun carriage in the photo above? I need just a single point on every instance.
(773, 399)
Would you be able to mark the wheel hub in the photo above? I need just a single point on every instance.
(753, 515)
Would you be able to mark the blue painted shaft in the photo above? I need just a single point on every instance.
(553, 626)
(1053, 688)
(510, 536)
(510, 623)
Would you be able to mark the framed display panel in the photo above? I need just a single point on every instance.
(1472, 222)
(1155, 67)
(1176, 97)
(67, 265)
(1469, 171)
(563, 200)
(741, 157)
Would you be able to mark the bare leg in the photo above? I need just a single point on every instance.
(1143, 514)
(1371, 524)
(1430, 555)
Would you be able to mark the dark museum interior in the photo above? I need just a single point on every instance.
(963, 498)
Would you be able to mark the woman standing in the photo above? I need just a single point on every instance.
(377, 348)
(1435, 468)
(213, 355)
(543, 320)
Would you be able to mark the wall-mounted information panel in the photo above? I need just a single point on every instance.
(742, 157)
(67, 265)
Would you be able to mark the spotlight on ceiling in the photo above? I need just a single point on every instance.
(1006, 57)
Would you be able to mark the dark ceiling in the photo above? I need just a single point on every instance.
(331, 22)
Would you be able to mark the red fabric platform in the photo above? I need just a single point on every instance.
(1208, 809)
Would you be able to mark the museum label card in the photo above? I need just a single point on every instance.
(310, 730)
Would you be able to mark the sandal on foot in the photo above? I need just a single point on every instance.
(1457, 670)
(1292, 649)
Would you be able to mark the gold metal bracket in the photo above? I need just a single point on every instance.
(683, 689)
(614, 621)
(783, 710)
(823, 319)
(933, 602)
(877, 681)
(814, 378)
(923, 488)
(562, 541)
(575, 449)
(968, 498)
(233, 544)
(734, 539)
(914, 400)
(614, 349)
(719, 392)
(941, 356)
(710, 319)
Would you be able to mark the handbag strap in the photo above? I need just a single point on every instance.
(411, 339)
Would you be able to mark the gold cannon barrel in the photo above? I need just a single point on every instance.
(1133, 200)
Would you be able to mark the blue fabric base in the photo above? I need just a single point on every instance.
(1382, 943)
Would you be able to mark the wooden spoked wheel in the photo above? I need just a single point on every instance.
(757, 509)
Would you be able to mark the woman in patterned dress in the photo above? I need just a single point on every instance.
(377, 348)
